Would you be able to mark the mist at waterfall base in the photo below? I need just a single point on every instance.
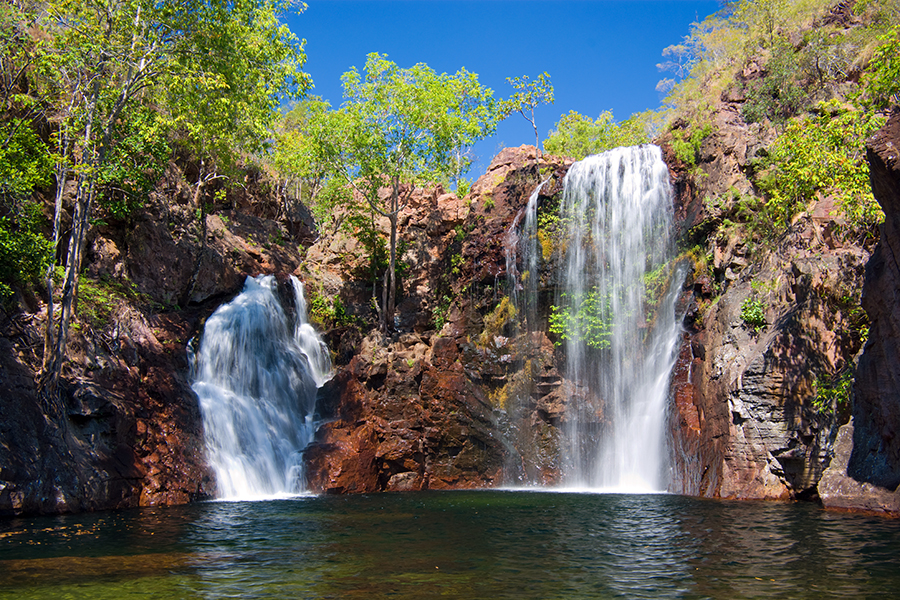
(464, 544)
(256, 374)
(616, 304)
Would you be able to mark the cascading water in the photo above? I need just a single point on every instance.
(256, 378)
(616, 309)
(525, 282)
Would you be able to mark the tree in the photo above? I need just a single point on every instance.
(529, 95)
(298, 158)
(230, 60)
(577, 136)
(402, 126)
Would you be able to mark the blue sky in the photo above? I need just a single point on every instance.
(601, 55)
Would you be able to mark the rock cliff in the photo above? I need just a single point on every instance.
(866, 469)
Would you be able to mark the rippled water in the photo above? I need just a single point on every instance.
(458, 545)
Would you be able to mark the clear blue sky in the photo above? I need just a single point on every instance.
(601, 55)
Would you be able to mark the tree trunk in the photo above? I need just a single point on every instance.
(50, 325)
(392, 264)
(53, 360)
(198, 203)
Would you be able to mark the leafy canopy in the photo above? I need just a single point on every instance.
(577, 136)
(405, 124)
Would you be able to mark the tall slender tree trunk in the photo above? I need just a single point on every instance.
(61, 173)
(49, 380)
(198, 263)
(392, 264)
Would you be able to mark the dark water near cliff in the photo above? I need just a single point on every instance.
(457, 545)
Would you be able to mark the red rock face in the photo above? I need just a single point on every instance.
(130, 434)
(745, 424)
(405, 421)
(413, 412)
(876, 409)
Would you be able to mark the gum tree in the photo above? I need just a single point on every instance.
(403, 126)
(529, 95)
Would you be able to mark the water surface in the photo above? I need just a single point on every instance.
(488, 544)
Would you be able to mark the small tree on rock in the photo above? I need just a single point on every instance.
(403, 126)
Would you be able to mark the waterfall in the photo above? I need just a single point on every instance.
(615, 312)
(256, 376)
(523, 285)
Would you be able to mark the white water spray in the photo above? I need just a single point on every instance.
(617, 304)
(256, 378)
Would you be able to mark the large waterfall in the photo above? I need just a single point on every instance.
(615, 309)
(256, 374)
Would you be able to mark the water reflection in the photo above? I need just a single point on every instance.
(458, 544)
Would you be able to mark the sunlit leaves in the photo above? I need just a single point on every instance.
(882, 82)
(822, 154)
(577, 136)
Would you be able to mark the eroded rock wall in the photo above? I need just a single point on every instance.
(747, 421)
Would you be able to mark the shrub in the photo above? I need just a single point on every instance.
(833, 392)
(882, 81)
(776, 95)
(687, 145)
(24, 251)
(585, 319)
(822, 153)
(753, 313)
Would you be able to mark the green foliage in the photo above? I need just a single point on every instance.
(463, 186)
(456, 262)
(686, 143)
(441, 312)
(25, 163)
(364, 229)
(98, 298)
(585, 318)
(882, 81)
(406, 124)
(577, 136)
(528, 96)
(488, 202)
(136, 159)
(328, 310)
(824, 154)
(706, 62)
(301, 161)
(753, 313)
(24, 251)
(656, 282)
(776, 95)
(402, 126)
(833, 392)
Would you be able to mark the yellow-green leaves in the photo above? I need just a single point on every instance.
(882, 81)
(577, 136)
(825, 154)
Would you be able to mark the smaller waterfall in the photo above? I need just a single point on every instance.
(256, 377)
(523, 285)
